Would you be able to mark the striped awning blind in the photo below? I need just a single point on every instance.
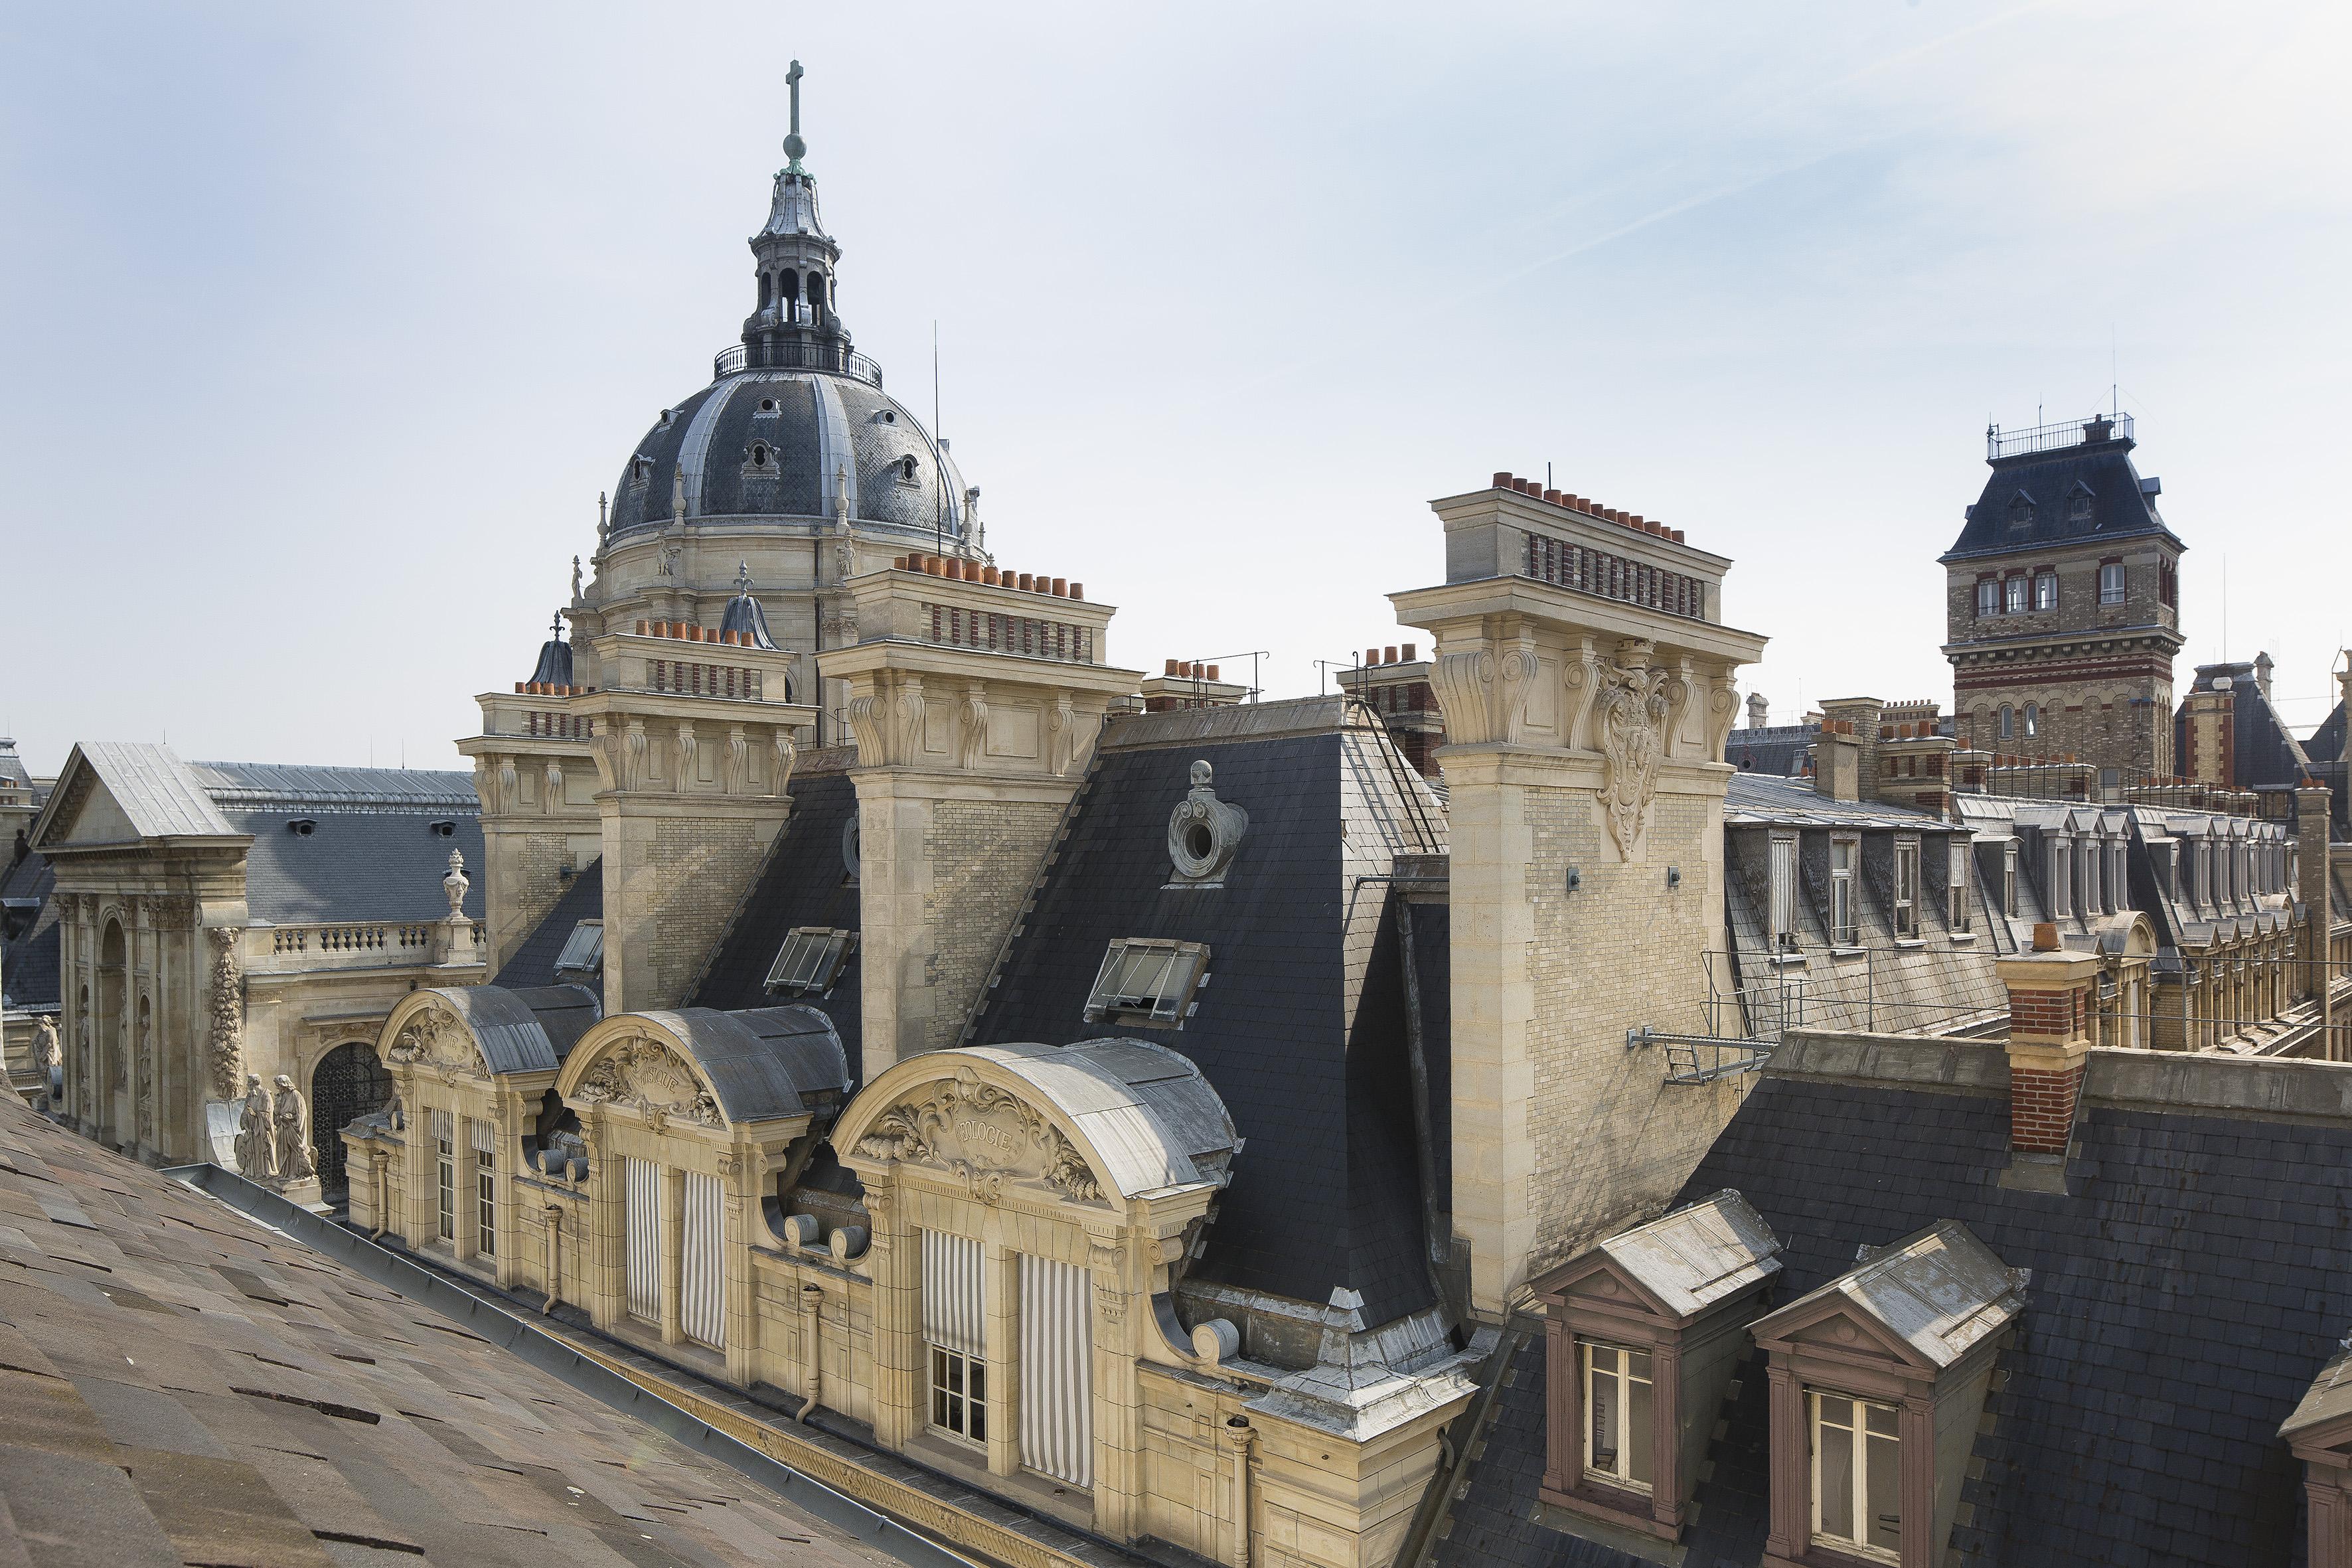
(703, 1310)
(1057, 1407)
(953, 1310)
(641, 1221)
(445, 1127)
(485, 1134)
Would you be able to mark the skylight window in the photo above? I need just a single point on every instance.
(810, 961)
(1150, 983)
(584, 950)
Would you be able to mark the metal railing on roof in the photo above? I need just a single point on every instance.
(795, 356)
(1999, 443)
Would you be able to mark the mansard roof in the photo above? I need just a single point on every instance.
(2121, 508)
(2185, 1293)
(1302, 1027)
(533, 962)
(804, 881)
(759, 1064)
(516, 1031)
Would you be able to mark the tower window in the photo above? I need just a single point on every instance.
(2007, 722)
(1987, 596)
(2111, 583)
(2032, 719)
(2045, 591)
(2012, 595)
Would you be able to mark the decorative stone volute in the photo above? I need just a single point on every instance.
(1204, 832)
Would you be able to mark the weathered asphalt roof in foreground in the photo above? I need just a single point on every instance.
(179, 1384)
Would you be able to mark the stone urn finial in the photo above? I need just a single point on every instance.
(456, 884)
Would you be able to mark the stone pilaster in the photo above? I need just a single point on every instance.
(974, 706)
(1587, 693)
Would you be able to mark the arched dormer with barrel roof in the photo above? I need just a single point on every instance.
(685, 1116)
(1029, 1203)
(471, 1067)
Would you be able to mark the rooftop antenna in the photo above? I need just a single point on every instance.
(939, 502)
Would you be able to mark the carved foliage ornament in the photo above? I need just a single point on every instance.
(228, 1011)
(1630, 711)
(987, 1137)
(648, 1075)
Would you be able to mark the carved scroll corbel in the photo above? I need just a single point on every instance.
(971, 716)
(1580, 678)
(738, 761)
(787, 752)
(1723, 713)
(1681, 686)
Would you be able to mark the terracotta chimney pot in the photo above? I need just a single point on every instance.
(1502, 481)
(1388, 655)
(1212, 672)
(1410, 655)
(1078, 590)
(1061, 588)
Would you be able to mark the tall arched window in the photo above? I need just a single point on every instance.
(2032, 721)
(816, 291)
(2007, 722)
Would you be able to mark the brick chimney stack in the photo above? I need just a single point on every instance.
(2052, 1006)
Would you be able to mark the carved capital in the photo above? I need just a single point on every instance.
(1483, 689)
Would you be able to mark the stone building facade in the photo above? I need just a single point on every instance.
(223, 922)
(2063, 605)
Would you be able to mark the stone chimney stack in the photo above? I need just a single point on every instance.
(975, 696)
(1759, 711)
(2053, 1009)
(1837, 763)
(1860, 716)
(1586, 685)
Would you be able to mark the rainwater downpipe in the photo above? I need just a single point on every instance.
(554, 1258)
(813, 1303)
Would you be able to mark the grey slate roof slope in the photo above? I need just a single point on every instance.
(2120, 507)
(2327, 742)
(179, 1384)
(31, 969)
(533, 962)
(806, 882)
(2182, 1304)
(1300, 1028)
(2263, 751)
(358, 865)
(160, 794)
(1778, 749)
(296, 786)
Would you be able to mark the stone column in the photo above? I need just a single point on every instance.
(999, 1347)
(738, 1203)
(673, 1256)
(603, 1261)
(513, 1113)
(1119, 1438)
(897, 1322)
(420, 1222)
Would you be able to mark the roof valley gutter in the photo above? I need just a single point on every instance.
(559, 1360)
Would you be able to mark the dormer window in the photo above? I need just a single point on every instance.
(2020, 512)
(1642, 1340)
(2061, 876)
(2009, 879)
(1845, 924)
(1907, 888)
(584, 952)
(759, 454)
(906, 471)
(1878, 1383)
(810, 961)
(2078, 503)
(1961, 884)
(1148, 982)
(1783, 900)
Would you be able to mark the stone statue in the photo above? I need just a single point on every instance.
(292, 1120)
(256, 1156)
(575, 579)
(143, 1092)
(46, 1051)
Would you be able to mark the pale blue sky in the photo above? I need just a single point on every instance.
(326, 323)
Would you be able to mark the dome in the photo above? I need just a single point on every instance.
(765, 443)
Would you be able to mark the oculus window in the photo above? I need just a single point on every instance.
(583, 951)
(1150, 983)
(810, 961)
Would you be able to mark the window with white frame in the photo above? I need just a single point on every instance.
(445, 1143)
(1907, 888)
(2032, 719)
(2045, 591)
(583, 951)
(1963, 885)
(810, 961)
(952, 1317)
(2116, 872)
(2012, 595)
(2062, 875)
(2009, 879)
(2094, 855)
(2008, 722)
(1620, 1402)
(1987, 596)
(1147, 982)
(1857, 1474)
(1845, 926)
(2111, 583)
(484, 1136)
(1783, 892)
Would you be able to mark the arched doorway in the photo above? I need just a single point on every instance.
(109, 1081)
(347, 1082)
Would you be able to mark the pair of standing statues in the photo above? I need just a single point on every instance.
(273, 1138)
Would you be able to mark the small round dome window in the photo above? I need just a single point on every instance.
(767, 406)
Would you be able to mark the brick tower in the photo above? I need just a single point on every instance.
(2062, 604)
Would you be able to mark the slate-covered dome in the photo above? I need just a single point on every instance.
(785, 443)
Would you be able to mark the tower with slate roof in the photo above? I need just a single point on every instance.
(2062, 604)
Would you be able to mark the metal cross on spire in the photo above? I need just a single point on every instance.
(794, 145)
